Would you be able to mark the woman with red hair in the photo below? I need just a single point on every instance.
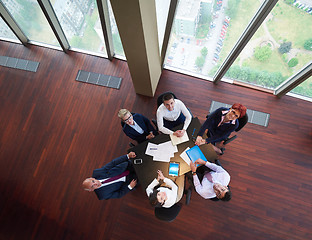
(219, 125)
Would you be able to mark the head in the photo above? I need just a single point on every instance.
(223, 192)
(126, 116)
(168, 101)
(90, 184)
(241, 109)
(157, 198)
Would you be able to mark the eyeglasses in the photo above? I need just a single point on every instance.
(127, 120)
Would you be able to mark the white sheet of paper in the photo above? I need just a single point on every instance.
(151, 149)
(177, 140)
(185, 157)
(164, 152)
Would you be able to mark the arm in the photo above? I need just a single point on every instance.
(186, 113)
(171, 184)
(148, 125)
(160, 121)
(120, 192)
(214, 167)
(115, 162)
(150, 187)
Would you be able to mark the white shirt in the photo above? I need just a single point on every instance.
(205, 188)
(163, 113)
(172, 193)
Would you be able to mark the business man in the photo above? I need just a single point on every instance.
(137, 127)
(171, 113)
(113, 180)
(214, 183)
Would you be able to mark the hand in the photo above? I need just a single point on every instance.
(131, 155)
(200, 161)
(198, 140)
(150, 136)
(179, 133)
(193, 167)
(133, 183)
(160, 175)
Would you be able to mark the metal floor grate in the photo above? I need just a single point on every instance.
(254, 117)
(99, 79)
(18, 63)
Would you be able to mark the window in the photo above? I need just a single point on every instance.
(31, 20)
(279, 49)
(5, 31)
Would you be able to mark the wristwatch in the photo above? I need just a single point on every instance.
(193, 173)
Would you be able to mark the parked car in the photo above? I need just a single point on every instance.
(212, 25)
(220, 43)
(216, 55)
(188, 40)
(218, 49)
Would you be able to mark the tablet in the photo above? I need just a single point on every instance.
(174, 169)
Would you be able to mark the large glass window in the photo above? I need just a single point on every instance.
(31, 20)
(5, 31)
(280, 47)
(81, 24)
(115, 34)
(205, 31)
(304, 89)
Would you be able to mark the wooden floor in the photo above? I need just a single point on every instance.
(54, 131)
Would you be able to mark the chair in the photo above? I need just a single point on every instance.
(160, 97)
(168, 214)
(242, 122)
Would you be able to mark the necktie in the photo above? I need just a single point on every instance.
(209, 177)
(125, 173)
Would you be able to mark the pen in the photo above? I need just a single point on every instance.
(153, 148)
(193, 131)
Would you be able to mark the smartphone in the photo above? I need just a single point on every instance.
(138, 161)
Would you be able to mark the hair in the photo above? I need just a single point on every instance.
(241, 108)
(123, 112)
(167, 97)
(153, 199)
(84, 184)
(227, 197)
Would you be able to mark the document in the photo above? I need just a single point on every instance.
(161, 152)
(177, 140)
(194, 153)
(185, 157)
(151, 149)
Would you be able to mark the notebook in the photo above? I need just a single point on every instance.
(174, 169)
(194, 153)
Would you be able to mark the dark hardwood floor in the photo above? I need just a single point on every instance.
(54, 131)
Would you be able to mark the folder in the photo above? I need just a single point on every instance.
(194, 153)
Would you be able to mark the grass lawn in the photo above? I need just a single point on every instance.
(290, 24)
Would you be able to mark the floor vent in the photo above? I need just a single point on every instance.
(18, 63)
(99, 79)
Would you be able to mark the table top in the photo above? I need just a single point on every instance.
(147, 170)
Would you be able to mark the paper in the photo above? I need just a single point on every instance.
(185, 157)
(177, 140)
(161, 152)
(151, 149)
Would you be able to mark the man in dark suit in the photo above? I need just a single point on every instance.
(136, 126)
(113, 180)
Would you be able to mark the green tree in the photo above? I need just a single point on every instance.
(293, 62)
(263, 53)
(204, 51)
(290, 2)
(308, 44)
(285, 47)
(200, 61)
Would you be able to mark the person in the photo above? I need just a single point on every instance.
(136, 127)
(171, 113)
(219, 125)
(212, 184)
(162, 196)
(113, 180)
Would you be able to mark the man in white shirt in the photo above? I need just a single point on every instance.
(171, 113)
(214, 183)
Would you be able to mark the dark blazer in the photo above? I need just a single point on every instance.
(144, 123)
(113, 168)
(217, 134)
